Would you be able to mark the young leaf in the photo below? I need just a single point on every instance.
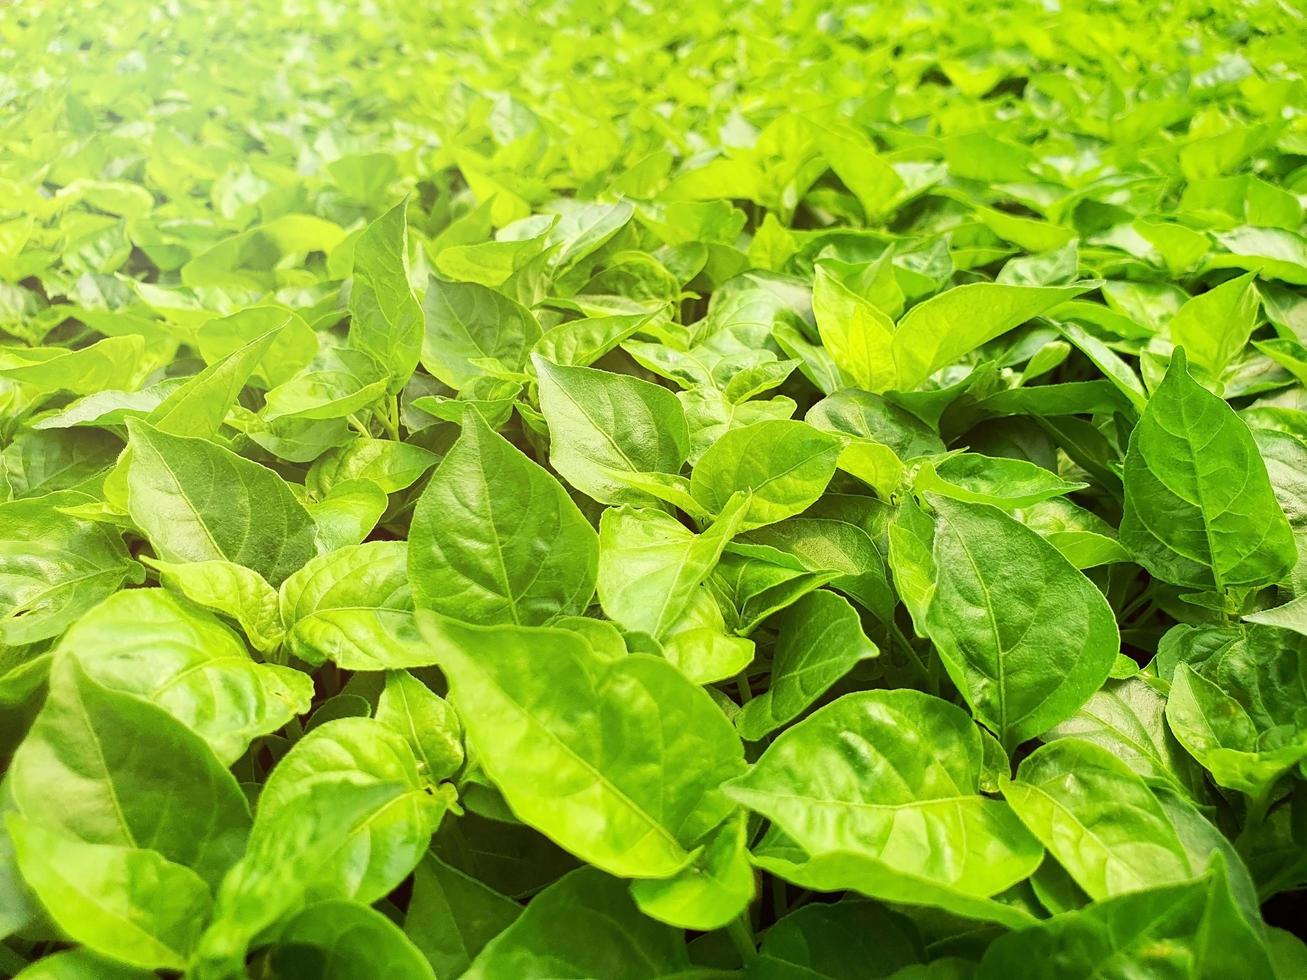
(1024, 635)
(1199, 509)
(550, 740)
(385, 318)
(496, 539)
(198, 502)
(602, 425)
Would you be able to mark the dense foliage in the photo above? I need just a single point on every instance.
(629, 490)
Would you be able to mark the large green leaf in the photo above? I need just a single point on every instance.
(130, 904)
(882, 789)
(196, 501)
(555, 743)
(1024, 635)
(1199, 510)
(148, 643)
(106, 767)
(496, 539)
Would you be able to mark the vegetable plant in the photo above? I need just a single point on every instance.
(622, 491)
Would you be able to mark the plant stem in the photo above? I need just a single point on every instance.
(741, 934)
(742, 685)
(388, 416)
(901, 639)
(1254, 817)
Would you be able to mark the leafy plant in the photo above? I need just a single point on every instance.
(621, 490)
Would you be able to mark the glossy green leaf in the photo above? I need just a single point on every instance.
(584, 925)
(1024, 635)
(452, 916)
(338, 940)
(55, 566)
(1199, 510)
(468, 324)
(228, 589)
(604, 425)
(819, 640)
(883, 787)
(650, 564)
(107, 767)
(148, 643)
(783, 465)
(354, 607)
(344, 815)
(496, 539)
(198, 502)
(426, 721)
(550, 742)
(130, 904)
(385, 317)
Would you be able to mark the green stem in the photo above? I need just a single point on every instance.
(1254, 817)
(388, 417)
(362, 429)
(901, 639)
(742, 685)
(741, 934)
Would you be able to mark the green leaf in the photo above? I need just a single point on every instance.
(1127, 718)
(844, 940)
(858, 336)
(427, 722)
(344, 815)
(650, 564)
(452, 916)
(54, 567)
(199, 406)
(783, 466)
(228, 589)
(107, 767)
(129, 904)
(1023, 634)
(496, 539)
(1189, 930)
(1214, 327)
(716, 888)
(1199, 510)
(944, 328)
(385, 318)
(1218, 731)
(1098, 819)
(338, 940)
(603, 425)
(354, 607)
(392, 466)
(819, 640)
(160, 648)
(1006, 483)
(550, 742)
(198, 502)
(101, 365)
(882, 790)
(584, 925)
(468, 325)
